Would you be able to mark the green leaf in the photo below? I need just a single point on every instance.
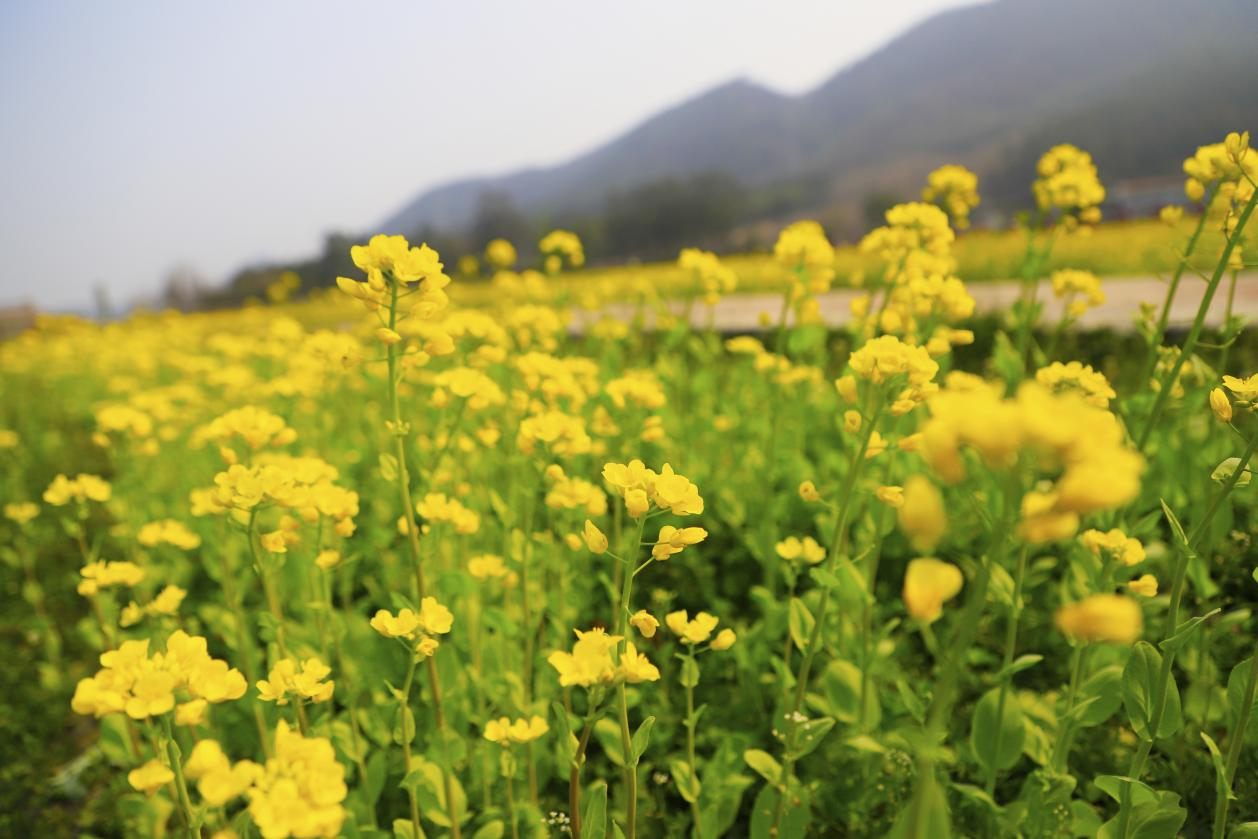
(1248, 830)
(388, 467)
(1022, 662)
(403, 829)
(1174, 523)
(1112, 785)
(1221, 783)
(1140, 691)
(568, 741)
(823, 577)
(689, 676)
(912, 704)
(686, 781)
(1103, 694)
(801, 623)
(491, 830)
(594, 813)
(608, 734)
(764, 764)
(796, 814)
(403, 725)
(641, 739)
(808, 736)
(997, 735)
(1183, 633)
(1236, 685)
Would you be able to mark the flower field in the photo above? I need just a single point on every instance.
(405, 558)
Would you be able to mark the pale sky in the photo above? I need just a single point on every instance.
(139, 135)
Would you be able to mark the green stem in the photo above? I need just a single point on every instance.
(839, 540)
(1155, 340)
(1006, 679)
(1190, 343)
(626, 738)
(404, 708)
(181, 786)
(1184, 553)
(1234, 747)
(690, 746)
(1061, 749)
(412, 533)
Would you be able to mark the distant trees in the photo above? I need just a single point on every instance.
(658, 218)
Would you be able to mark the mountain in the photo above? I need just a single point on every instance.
(1139, 83)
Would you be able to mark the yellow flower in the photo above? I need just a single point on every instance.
(892, 496)
(1146, 585)
(1102, 617)
(635, 667)
(673, 539)
(299, 791)
(505, 732)
(1115, 545)
(1221, 404)
(691, 631)
(594, 538)
(724, 639)
(846, 387)
(434, 618)
(328, 559)
(402, 625)
(645, 623)
(808, 491)
(590, 662)
(852, 421)
(922, 516)
(637, 503)
(275, 542)
(792, 548)
(21, 512)
(150, 777)
(486, 566)
(928, 584)
(191, 713)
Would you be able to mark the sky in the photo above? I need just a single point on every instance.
(142, 136)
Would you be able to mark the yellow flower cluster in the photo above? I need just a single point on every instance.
(561, 433)
(793, 549)
(500, 253)
(303, 485)
(505, 732)
(167, 602)
(1067, 181)
(1098, 471)
(560, 246)
(391, 259)
(169, 532)
(1081, 290)
(641, 488)
(1077, 378)
(300, 790)
(571, 493)
(707, 271)
(437, 507)
(1227, 165)
(218, 779)
(955, 188)
(143, 685)
(1102, 617)
(257, 427)
(672, 540)
(431, 620)
(81, 488)
(304, 680)
(102, 574)
(928, 584)
(590, 663)
(1114, 544)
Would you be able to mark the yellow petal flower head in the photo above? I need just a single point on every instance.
(1221, 405)
(486, 566)
(886, 356)
(434, 618)
(691, 631)
(594, 538)
(402, 625)
(1146, 585)
(590, 662)
(1113, 545)
(1102, 617)
(928, 584)
(299, 791)
(645, 623)
(922, 516)
(793, 548)
(724, 639)
(150, 777)
(635, 667)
